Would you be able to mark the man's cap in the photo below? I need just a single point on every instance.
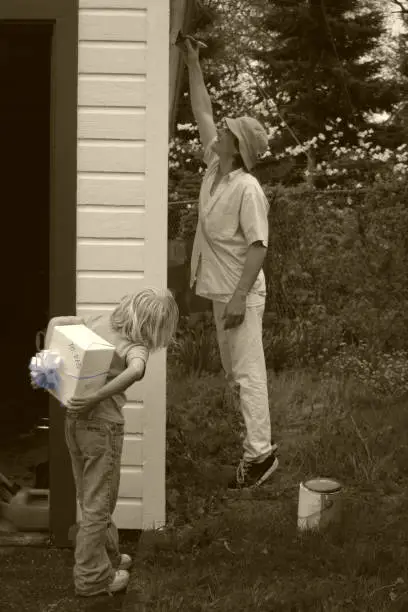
(252, 138)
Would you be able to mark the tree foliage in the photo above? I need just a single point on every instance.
(320, 65)
(300, 67)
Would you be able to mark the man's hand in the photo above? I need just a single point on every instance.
(83, 404)
(234, 313)
(190, 51)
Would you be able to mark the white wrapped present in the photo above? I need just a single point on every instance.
(76, 363)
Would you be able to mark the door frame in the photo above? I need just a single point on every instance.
(63, 14)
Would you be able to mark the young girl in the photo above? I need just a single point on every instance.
(94, 430)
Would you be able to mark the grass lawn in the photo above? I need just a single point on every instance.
(241, 552)
(40, 580)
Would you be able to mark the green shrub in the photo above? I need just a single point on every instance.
(195, 349)
(384, 374)
(345, 254)
(336, 272)
(303, 342)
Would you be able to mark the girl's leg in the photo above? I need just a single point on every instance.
(77, 462)
(77, 459)
(99, 443)
(112, 543)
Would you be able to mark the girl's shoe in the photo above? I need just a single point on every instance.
(120, 581)
(125, 562)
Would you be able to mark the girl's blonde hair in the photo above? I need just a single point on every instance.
(149, 317)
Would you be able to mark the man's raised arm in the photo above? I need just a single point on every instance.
(200, 99)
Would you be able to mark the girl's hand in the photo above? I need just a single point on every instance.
(83, 404)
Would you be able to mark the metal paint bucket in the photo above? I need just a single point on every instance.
(319, 503)
(28, 510)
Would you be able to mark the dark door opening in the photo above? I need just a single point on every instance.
(25, 118)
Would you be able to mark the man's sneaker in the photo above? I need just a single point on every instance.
(125, 562)
(120, 581)
(250, 474)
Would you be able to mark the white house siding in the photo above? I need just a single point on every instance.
(123, 85)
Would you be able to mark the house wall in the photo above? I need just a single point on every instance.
(123, 92)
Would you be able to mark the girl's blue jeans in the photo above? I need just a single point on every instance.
(95, 446)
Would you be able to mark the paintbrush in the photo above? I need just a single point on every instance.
(181, 39)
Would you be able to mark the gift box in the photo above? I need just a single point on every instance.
(76, 363)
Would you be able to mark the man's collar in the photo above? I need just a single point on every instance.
(232, 174)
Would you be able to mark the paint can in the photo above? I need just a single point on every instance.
(319, 503)
(28, 510)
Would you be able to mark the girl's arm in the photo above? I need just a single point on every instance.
(134, 372)
(68, 320)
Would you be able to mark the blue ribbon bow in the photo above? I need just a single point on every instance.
(44, 370)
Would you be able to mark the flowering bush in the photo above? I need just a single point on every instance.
(185, 150)
(353, 165)
(384, 374)
(332, 163)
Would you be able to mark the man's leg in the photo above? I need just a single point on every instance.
(231, 393)
(245, 358)
(249, 372)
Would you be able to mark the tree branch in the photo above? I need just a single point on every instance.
(404, 9)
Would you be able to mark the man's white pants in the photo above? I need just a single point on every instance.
(243, 359)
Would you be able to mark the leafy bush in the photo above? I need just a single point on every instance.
(344, 255)
(337, 276)
(184, 186)
(195, 349)
(302, 342)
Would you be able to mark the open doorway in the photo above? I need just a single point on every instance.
(25, 118)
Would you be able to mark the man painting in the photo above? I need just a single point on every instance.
(226, 265)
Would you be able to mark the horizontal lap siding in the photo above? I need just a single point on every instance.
(111, 193)
(111, 156)
(115, 26)
(114, 4)
(110, 190)
(111, 223)
(114, 124)
(118, 91)
(111, 148)
(101, 287)
(103, 256)
(112, 58)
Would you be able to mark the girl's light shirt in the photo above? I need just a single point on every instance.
(125, 351)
